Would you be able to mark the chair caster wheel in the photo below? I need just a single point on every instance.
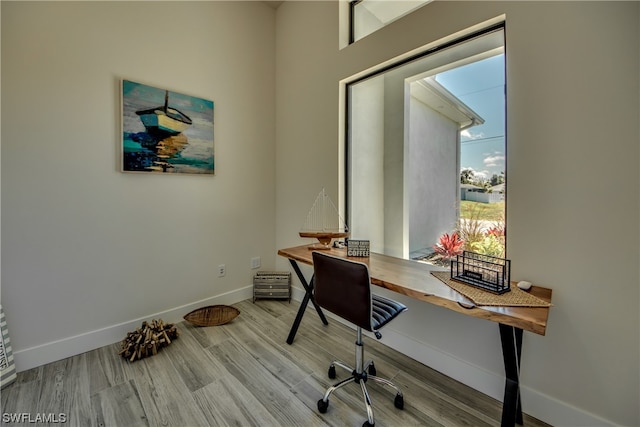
(372, 369)
(398, 402)
(322, 406)
(332, 372)
(368, 424)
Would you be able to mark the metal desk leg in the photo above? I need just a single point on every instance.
(511, 339)
(308, 296)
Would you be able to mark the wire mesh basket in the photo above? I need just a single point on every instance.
(490, 273)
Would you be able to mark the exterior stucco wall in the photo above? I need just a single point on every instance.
(432, 176)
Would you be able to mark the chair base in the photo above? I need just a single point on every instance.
(360, 375)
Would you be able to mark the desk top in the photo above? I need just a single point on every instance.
(414, 279)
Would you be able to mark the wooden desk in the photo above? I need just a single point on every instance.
(413, 279)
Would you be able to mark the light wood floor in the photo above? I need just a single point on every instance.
(244, 374)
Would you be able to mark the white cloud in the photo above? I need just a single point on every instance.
(483, 175)
(479, 175)
(469, 136)
(493, 161)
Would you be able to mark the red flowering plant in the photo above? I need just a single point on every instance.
(496, 231)
(448, 246)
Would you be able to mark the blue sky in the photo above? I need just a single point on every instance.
(480, 86)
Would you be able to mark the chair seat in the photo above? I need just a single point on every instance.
(384, 311)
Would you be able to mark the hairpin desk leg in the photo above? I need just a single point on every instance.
(308, 296)
(511, 339)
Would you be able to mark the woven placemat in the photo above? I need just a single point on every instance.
(514, 298)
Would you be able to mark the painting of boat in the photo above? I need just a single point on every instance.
(164, 121)
(165, 131)
(212, 315)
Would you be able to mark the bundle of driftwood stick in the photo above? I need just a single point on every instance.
(148, 339)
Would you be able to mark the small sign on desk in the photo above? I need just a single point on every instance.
(358, 248)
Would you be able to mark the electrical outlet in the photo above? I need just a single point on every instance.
(222, 270)
(255, 262)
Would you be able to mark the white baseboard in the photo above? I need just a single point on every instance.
(78, 344)
(535, 403)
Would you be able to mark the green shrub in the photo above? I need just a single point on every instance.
(490, 245)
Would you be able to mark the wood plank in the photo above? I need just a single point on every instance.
(195, 366)
(267, 388)
(20, 398)
(347, 410)
(105, 368)
(119, 405)
(250, 376)
(206, 336)
(308, 357)
(440, 405)
(165, 397)
(65, 390)
(273, 358)
(228, 402)
(413, 279)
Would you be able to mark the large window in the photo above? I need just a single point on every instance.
(426, 152)
(368, 16)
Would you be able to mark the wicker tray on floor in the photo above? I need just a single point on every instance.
(212, 315)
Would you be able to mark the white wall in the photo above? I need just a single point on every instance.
(573, 93)
(87, 251)
(367, 159)
(432, 176)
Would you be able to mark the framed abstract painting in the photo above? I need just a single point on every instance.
(165, 131)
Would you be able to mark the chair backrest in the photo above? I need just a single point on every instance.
(343, 287)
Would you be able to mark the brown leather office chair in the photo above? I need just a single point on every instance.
(343, 287)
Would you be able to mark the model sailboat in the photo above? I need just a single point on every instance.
(324, 222)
